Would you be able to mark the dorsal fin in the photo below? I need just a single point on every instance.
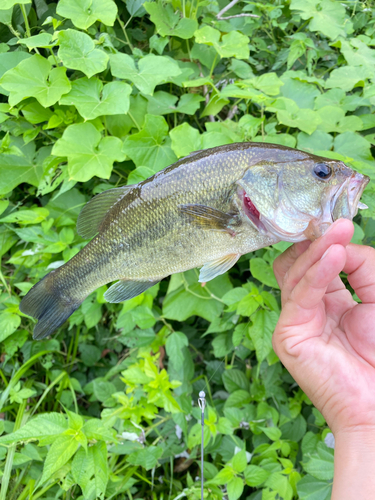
(94, 212)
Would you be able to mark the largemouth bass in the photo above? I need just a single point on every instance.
(205, 210)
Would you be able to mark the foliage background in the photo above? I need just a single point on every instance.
(97, 94)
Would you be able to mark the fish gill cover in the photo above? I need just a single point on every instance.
(97, 95)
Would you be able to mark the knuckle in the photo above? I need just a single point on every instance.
(370, 252)
(275, 345)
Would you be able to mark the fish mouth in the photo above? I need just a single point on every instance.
(353, 189)
(253, 213)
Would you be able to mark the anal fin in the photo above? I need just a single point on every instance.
(125, 290)
(210, 218)
(218, 266)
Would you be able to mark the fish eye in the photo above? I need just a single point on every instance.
(322, 171)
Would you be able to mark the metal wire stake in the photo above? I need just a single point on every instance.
(202, 406)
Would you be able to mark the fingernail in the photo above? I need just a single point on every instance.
(325, 253)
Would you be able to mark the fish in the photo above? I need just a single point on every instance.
(204, 211)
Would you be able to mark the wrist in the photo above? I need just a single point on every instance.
(354, 463)
(359, 440)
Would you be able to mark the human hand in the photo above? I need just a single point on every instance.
(324, 338)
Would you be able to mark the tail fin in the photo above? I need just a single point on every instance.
(48, 306)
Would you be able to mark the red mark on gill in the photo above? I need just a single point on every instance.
(249, 205)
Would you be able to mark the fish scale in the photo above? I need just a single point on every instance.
(205, 210)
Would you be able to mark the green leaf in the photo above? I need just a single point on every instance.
(346, 78)
(61, 450)
(222, 345)
(235, 488)
(224, 426)
(182, 303)
(317, 141)
(151, 146)
(82, 467)
(271, 432)
(152, 70)
(302, 93)
(234, 380)
(77, 51)
(326, 16)
(249, 304)
(162, 103)
(93, 100)
(239, 461)
(269, 83)
(88, 153)
(84, 13)
(147, 458)
(282, 139)
(310, 488)
(353, 146)
(17, 169)
(320, 465)
(279, 482)
(233, 44)
(6, 16)
(9, 323)
(238, 399)
(294, 430)
(334, 120)
(36, 113)
(174, 346)
(264, 323)
(185, 139)
(358, 53)
(41, 40)
(306, 120)
(34, 77)
(255, 475)
(90, 470)
(7, 4)
(135, 7)
(170, 23)
(66, 207)
(90, 354)
(10, 60)
(3, 205)
(263, 272)
(224, 475)
(48, 424)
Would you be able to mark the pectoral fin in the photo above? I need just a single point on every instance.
(216, 267)
(125, 290)
(210, 218)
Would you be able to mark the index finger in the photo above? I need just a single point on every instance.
(360, 267)
(284, 262)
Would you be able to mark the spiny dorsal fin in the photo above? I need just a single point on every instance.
(216, 267)
(125, 290)
(94, 212)
(210, 218)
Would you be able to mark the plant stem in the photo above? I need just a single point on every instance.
(3, 377)
(19, 374)
(76, 342)
(134, 120)
(124, 31)
(41, 492)
(20, 420)
(27, 26)
(46, 391)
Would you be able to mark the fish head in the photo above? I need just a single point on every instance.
(299, 199)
